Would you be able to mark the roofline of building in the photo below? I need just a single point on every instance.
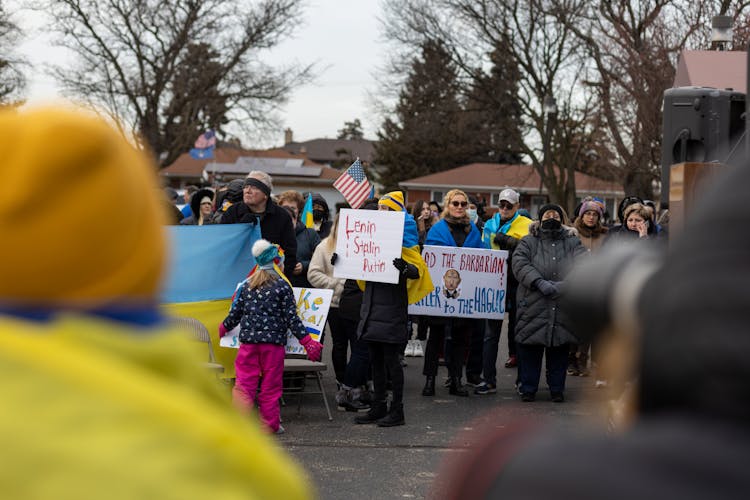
(497, 188)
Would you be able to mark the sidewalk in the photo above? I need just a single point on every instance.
(350, 461)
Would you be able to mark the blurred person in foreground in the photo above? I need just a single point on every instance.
(103, 395)
(685, 324)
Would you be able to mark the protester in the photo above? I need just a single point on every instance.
(174, 215)
(453, 230)
(307, 238)
(103, 395)
(227, 196)
(502, 232)
(320, 275)
(202, 204)
(275, 223)
(425, 220)
(321, 215)
(592, 233)
(383, 321)
(541, 262)
(356, 394)
(265, 309)
(187, 210)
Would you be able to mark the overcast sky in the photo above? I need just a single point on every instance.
(342, 36)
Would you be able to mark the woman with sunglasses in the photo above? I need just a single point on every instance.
(455, 229)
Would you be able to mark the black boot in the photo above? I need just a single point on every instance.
(395, 416)
(429, 387)
(457, 389)
(378, 410)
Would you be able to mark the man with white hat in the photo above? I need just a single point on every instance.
(502, 232)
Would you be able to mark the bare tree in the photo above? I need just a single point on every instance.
(551, 62)
(161, 66)
(12, 80)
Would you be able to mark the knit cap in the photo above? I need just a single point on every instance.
(266, 254)
(63, 245)
(393, 200)
(590, 204)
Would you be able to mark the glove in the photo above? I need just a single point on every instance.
(222, 329)
(400, 264)
(505, 242)
(313, 347)
(548, 288)
(334, 258)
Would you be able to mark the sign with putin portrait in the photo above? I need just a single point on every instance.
(469, 283)
(367, 241)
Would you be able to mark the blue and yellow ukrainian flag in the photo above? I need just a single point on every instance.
(206, 263)
(306, 217)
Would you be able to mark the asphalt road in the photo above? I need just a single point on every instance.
(348, 461)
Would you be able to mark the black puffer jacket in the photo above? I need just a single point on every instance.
(548, 256)
(384, 314)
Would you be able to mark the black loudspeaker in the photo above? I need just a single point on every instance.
(701, 124)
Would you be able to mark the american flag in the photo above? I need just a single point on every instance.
(354, 185)
(206, 140)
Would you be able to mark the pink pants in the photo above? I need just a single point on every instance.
(264, 362)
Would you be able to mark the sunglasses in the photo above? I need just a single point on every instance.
(460, 203)
(506, 205)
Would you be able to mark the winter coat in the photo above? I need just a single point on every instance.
(383, 315)
(542, 255)
(275, 226)
(350, 302)
(307, 241)
(320, 274)
(265, 314)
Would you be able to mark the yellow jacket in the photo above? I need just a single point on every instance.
(93, 409)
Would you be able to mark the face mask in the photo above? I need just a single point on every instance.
(318, 215)
(472, 213)
(551, 225)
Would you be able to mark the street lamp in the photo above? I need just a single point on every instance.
(721, 31)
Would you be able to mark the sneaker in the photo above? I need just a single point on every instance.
(511, 362)
(485, 388)
(280, 430)
(418, 350)
(473, 380)
(409, 351)
(557, 397)
(600, 383)
(528, 397)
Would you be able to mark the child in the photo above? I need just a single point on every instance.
(265, 309)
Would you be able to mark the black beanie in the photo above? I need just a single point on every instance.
(552, 206)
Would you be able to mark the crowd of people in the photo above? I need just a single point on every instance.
(370, 329)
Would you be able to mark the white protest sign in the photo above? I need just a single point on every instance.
(367, 241)
(469, 282)
(312, 308)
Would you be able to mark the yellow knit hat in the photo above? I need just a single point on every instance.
(81, 217)
(393, 200)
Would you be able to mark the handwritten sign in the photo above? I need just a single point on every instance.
(312, 308)
(469, 282)
(366, 243)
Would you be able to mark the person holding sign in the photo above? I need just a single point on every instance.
(383, 320)
(541, 261)
(455, 229)
(502, 232)
(265, 309)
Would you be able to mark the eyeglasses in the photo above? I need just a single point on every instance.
(506, 205)
(460, 203)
